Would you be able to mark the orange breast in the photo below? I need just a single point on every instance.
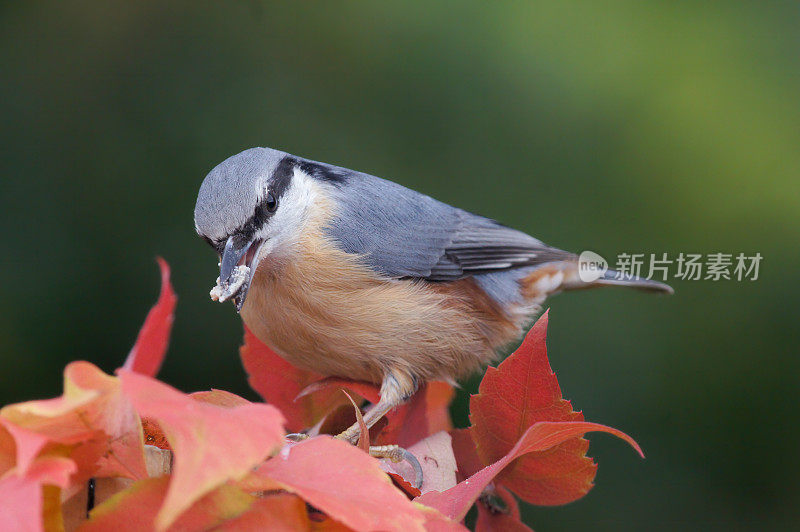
(323, 310)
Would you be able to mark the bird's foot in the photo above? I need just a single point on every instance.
(397, 454)
(295, 437)
(395, 390)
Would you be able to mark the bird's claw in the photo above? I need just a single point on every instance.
(397, 454)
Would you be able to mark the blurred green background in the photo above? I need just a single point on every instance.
(611, 126)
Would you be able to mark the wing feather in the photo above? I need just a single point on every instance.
(404, 234)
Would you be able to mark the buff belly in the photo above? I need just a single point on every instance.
(323, 310)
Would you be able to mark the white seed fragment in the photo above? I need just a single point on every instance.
(224, 291)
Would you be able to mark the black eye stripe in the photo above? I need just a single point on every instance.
(278, 184)
(281, 178)
(330, 174)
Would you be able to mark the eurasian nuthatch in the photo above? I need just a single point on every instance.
(350, 275)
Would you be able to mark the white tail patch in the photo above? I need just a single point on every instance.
(548, 284)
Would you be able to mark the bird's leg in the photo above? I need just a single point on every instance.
(396, 389)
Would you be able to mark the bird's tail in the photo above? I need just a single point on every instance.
(615, 278)
(553, 277)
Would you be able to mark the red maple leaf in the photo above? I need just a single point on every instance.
(521, 391)
(540, 437)
(426, 413)
(151, 343)
(280, 384)
(527, 436)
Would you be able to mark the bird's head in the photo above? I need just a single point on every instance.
(252, 205)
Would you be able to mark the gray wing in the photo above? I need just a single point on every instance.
(480, 245)
(402, 233)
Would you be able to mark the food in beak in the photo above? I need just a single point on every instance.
(224, 291)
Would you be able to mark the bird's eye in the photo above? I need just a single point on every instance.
(271, 202)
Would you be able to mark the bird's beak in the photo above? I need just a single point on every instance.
(231, 257)
(236, 270)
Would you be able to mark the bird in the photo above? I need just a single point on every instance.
(354, 276)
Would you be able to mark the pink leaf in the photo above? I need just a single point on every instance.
(212, 444)
(22, 505)
(345, 483)
(27, 443)
(219, 398)
(136, 507)
(281, 512)
(426, 413)
(93, 417)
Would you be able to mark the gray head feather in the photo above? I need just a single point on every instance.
(232, 190)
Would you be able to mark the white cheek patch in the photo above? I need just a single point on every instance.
(295, 208)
